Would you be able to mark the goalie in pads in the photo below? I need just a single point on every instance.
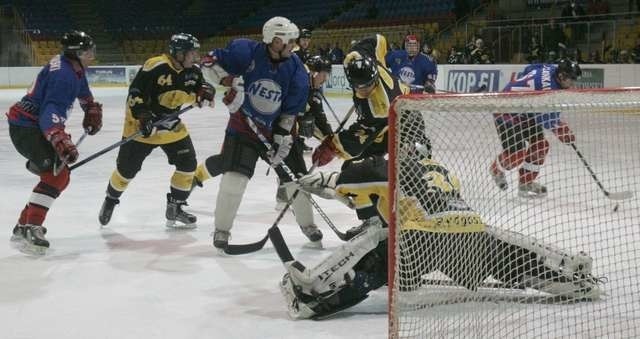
(443, 232)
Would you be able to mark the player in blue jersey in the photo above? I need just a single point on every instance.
(522, 135)
(37, 129)
(268, 89)
(412, 67)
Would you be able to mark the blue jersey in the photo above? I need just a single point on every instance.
(412, 71)
(271, 89)
(52, 94)
(536, 77)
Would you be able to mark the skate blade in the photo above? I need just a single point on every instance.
(172, 225)
(316, 245)
(34, 250)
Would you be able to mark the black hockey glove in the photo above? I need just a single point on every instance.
(306, 125)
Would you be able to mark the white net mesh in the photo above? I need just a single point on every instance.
(561, 263)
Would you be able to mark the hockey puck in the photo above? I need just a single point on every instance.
(615, 208)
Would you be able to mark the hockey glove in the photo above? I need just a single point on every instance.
(564, 133)
(324, 153)
(234, 96)
(306, 125)
(205, 95)
(429, 87)
(281, 147)
(92, 121)
(62, 144)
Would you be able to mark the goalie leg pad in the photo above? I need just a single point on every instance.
(337, 270)
(232, 187)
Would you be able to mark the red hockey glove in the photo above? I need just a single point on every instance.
(324, 153)
(92, 121)
(205, 95)
(62, 144)
(564, 133)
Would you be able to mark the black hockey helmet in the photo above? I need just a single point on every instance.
(413, 134)
(74, 42)
(361, 71)
(569, 67)
(305, 33)
(318, 63)
(182, 42)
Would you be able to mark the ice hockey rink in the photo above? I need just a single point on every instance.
(137, 279)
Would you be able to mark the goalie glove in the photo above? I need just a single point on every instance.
(92, 121)
(234, 96)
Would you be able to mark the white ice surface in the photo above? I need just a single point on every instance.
(135, 279)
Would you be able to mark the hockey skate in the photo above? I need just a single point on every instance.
(221, 239)
(18, 233)
(106, 211)
(313, 233)
(353, 231)
(500, 179)
(175, 214)
(34, 240)
(532, 190)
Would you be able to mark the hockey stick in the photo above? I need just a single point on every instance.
(335, 116)
(129, 138)
(58, 168)
(611, 195)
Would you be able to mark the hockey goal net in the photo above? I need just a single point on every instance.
(591, 209)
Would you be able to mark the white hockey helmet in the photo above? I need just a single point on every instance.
(280, 27)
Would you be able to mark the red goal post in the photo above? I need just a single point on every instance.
(573, 217)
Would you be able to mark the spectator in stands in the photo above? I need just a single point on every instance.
(552, 57)
(480, 54)
(594, 58)
(635, 52)
(572, 12)
(623, 57)
(455, 56)
(535, 53)
(336, 55)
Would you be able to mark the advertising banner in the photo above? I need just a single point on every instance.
(468, 81)
(106, 75)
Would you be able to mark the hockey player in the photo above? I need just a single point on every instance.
(161, 87)
(313, 122)
(268, 88)
(522, 135)
(442, 232)
(301, 49)
(374, 88)
(412, 67)
(37, 129)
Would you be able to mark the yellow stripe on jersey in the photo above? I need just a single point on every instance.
(381, 49)
(174, 99)
(360, 194)
(131, 126)
(156, 61)
(182, 180)
(118, 182)
(413, 217)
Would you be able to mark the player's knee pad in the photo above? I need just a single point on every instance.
(232, 187)
(118, 181)
(182, 180)
(301, 206)
(58, 182)
(238, 155)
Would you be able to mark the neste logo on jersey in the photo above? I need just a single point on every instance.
(407, 75)
(265, 96)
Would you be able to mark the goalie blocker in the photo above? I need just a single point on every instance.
(359, 266)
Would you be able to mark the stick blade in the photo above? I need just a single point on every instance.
(232, 249)
(620, 195)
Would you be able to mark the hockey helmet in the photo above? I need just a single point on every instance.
(361, 71)
(74, 42)
(280, 27)
(569, 67)
(182, 42)
(318, 63)
(413, 134)
(305, 34)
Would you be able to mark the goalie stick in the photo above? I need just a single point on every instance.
(611, 195)
(129, 138)
(57, 168)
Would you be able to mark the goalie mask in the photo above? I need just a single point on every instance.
(414, 143)
(411, 45)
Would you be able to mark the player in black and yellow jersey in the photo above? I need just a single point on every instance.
(374, 88)
(161, 87)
